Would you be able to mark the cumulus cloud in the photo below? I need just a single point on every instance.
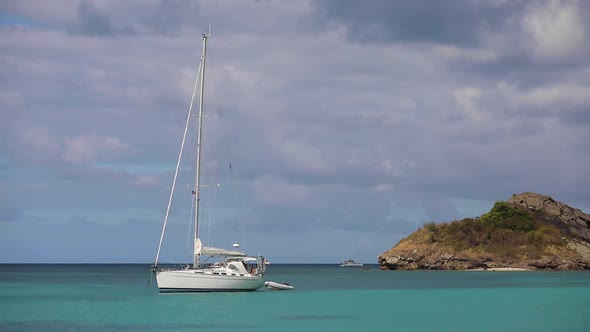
(339, 117)
(144, 181)
(453, 53)
(275, 191)
(557, 29)
(562, 99)
(39, 144)
(87, 148)
(91, 21)
(467, 98)
(557, 96)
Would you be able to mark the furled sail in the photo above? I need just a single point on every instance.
(198, 247)
(211, 251)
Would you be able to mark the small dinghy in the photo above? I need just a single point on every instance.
(276, 286)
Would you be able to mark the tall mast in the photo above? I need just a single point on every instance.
(199, 146)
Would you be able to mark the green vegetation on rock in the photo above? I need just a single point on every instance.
(506, 231)
(506, 216)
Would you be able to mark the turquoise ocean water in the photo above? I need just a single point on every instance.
(327, 298)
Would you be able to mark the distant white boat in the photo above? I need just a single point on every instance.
(276, 286)
(351, 263)
(212, 269)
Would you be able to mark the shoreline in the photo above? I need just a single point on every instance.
(501, 269)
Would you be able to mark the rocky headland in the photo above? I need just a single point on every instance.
(529, 231)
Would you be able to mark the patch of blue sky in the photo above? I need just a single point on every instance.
(10, 19)
(411, 215)
(23, 174)
(95, 216)
(4, 162)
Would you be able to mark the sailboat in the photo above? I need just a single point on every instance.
(212, 269)
(351, 263)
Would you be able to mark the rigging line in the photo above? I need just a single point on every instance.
(213, 210)
(209, 228)
(242, 219)
(242, 212)
(189, 245)
(191, 198)
(213, 73)
(188, 118)
(211, 205)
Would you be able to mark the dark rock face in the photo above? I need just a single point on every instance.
(573, 221)
(571, 251)
(416, 261)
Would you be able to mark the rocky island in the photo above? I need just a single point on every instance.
(528, 232)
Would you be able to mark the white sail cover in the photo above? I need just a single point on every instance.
(198, 247)
(211, 251)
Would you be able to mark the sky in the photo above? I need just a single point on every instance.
(348, 124)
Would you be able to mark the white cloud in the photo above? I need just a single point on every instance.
(328, 128)
(37, 144)
(467, 99)
(464, 54)
(554, 96)
(274, 191)
(303, 154)
(88, 148)
(144, 181)
(557, 95)
(557, 29)
(382, 187)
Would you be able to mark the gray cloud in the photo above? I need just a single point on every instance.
(450, 22)
(91, 21)
(383, 117)
(170, 17)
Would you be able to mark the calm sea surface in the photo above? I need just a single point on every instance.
(326, 298)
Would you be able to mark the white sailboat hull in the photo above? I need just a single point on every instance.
(201, 281)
